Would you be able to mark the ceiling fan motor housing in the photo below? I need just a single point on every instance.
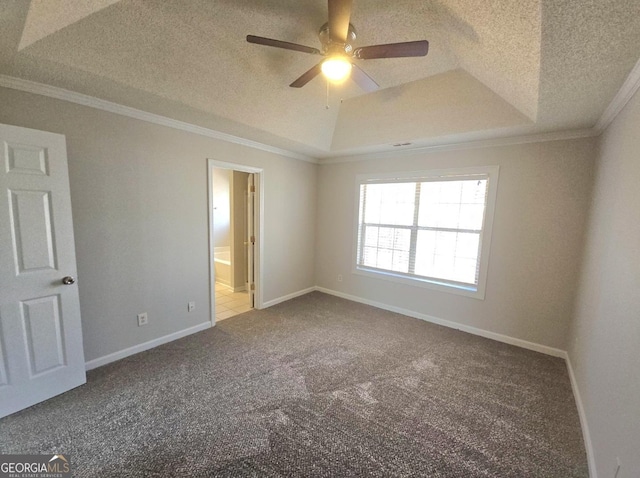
(332, 47)
(337, 37)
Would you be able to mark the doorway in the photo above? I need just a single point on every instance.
(235, 225)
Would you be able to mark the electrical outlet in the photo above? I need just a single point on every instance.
(339, 277)
(191, 306)
(143, 319)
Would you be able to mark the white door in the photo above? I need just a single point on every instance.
(41, 352)
(251, 243)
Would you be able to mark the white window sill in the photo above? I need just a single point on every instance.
(442, 286)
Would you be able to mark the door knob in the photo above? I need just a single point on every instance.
(68, 280)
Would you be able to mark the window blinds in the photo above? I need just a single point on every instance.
(423, 227)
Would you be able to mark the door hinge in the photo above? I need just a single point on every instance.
(253, 239)
(253, 287)
(252, 189)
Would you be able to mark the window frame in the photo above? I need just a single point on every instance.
(464, 173)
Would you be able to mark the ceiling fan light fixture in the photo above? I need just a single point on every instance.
(336, 68)
(336, 37)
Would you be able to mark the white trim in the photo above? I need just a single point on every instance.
(104, 105)
(293, 295)
(471, 291)
(212, 247)
(453, 325)
(629, 88)
(625, 93)
(462, 145)
(586, 436)
(622, 97)
(259, 253)
(104, 360)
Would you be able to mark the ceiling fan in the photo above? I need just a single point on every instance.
(336, 36)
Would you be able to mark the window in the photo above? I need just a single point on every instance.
(429, 228)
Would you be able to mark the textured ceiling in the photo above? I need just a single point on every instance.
(535, 65)
(46, 17)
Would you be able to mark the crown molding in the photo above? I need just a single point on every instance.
(104, 105)
(622, 97)
(471, 144)
(625, 93)
(629, 88)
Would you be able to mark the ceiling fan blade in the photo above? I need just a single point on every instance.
(307, 77)
(392, 50)
(363, 80)
(339, 15)
(282, 44)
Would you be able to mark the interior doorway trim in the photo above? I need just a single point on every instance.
(259, 256)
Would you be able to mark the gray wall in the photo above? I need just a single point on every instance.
(541, 209)
(605, 350)
(139, 198)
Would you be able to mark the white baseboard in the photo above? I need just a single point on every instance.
(224, 282)
(100, 361)
(284, 298)
(453, 325)
(586, 436)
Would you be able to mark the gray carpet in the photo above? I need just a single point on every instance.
(316, 386)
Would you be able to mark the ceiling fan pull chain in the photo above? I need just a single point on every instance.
(327, 105)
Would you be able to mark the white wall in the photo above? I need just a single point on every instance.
(139, 198)
(221, 207)
(541, 209)
(605, 346)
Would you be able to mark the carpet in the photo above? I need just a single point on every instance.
(317, 386)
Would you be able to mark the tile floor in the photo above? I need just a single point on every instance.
(229, 303)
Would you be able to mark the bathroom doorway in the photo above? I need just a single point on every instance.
(234, 238)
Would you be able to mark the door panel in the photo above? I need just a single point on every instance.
(24, 159)
(41, 353)
(3, 365)
(251, 243)
(42, 329)
(31, 230)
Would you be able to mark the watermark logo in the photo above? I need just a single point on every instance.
(35, 466)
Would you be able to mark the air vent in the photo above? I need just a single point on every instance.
(400, 144)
